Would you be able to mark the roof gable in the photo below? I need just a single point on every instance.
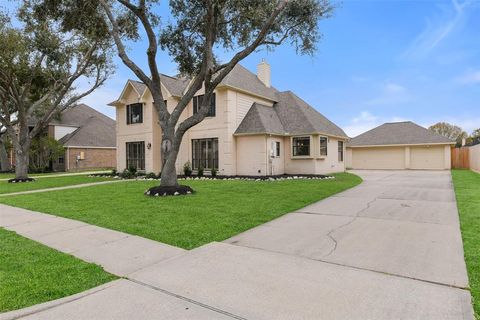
(260, 119)
(398, 133)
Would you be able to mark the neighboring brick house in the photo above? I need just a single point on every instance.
(252, 129)
(88, 136)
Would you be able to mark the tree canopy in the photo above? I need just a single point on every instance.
(40, 66)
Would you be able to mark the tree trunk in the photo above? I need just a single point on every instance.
(21, 163)
(4, 163)
(169, 171)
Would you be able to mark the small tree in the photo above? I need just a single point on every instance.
(450, 131)
(42, 151)
(40, 64)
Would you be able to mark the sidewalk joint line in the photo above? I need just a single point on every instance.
(226, 313)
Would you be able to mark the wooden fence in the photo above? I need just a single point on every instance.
(461, 158)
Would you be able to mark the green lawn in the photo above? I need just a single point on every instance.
(44, 183)
(217, 211)
(32, 273)
(467, 190)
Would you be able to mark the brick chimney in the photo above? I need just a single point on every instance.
(263, 73)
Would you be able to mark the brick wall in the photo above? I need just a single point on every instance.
(94, 158)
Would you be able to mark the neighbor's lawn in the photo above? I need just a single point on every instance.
(12, 175)
(44, 183)
(467, 190)
(32, 273)
(217, 211)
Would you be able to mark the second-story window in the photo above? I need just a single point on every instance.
(135, 113)
(197, 103)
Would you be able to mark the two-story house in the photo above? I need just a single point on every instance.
(252, 129)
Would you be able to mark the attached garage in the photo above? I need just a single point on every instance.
(397, 146)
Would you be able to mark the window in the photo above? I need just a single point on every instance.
(301, 146)
(197, 103)
(134, 113)
(323, 146)
(61, 160)
(340, 151)
(136, 155)
(205, 153)
(277, 148)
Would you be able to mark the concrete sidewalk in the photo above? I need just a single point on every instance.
(75, 186)
(117, 252)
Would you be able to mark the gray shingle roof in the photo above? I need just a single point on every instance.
(75, 116)
(401, 133)
(175, 86)
(289, 116)
(242, 78)
(93, 133)
(261, 119)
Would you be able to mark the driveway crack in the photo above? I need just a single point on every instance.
(330, 233)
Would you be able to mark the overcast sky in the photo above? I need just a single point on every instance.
(378, 61)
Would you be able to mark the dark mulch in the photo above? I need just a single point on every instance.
(15, 180)
(168, 191)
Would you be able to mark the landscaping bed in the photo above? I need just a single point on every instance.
(31, 273)
(467, 191)
(218, 210)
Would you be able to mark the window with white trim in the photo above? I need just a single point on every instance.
(301, 146)
(277, 148)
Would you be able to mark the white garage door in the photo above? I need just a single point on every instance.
(378, 158)
(429, 158)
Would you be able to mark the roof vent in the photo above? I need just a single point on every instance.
(263, 73)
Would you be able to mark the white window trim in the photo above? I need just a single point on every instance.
(310, 149)
(320, 155)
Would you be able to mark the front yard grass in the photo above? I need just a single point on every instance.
(32, 273)
(45, 183)
(217, 211)
(467, 190)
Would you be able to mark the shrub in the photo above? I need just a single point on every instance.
(200, 171)
(214, 172)
(187, 169)
(114, 172)
(126, 174)
(151, 175)
(132, 170)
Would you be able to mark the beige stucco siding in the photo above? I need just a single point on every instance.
(315, 163)
(252, 155)
(378, 158)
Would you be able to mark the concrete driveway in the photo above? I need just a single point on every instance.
(387, 249)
